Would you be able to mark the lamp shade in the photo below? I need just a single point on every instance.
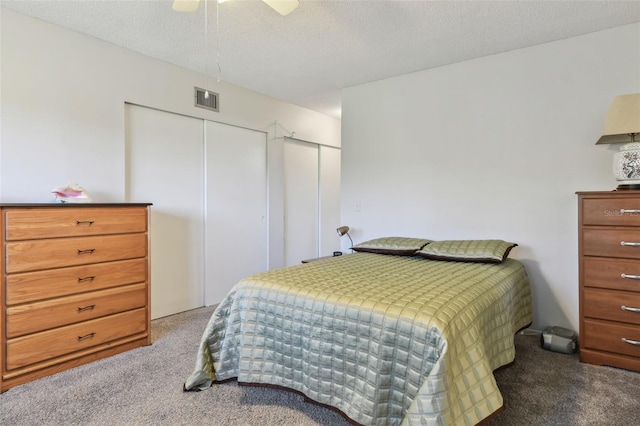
(342, 230)
(622, 120)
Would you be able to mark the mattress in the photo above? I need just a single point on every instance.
(387, 340)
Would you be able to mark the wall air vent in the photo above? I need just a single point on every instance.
(210, 102)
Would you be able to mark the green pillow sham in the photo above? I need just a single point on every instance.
(487, 251)
(403, 246)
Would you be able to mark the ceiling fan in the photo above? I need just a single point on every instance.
(283, 7)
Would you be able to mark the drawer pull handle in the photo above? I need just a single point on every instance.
(631, 277)
(89, 251)
(86, 308)
(84, 222)
(86, 336)
(629, 244)
(627, 308)
(631, 342)
(85, 279)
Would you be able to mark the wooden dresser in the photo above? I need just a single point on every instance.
(609, 248)
(75, 286)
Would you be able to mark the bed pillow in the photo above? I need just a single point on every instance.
(403, 246)
(487, 251)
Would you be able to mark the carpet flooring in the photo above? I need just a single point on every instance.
(144, 387)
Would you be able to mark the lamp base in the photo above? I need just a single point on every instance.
(627, 187)
(626, 166)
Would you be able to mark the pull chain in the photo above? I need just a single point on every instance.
(206, 39)
(218, 39)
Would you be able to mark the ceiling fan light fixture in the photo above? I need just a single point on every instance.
(283, 7)
(185, 5)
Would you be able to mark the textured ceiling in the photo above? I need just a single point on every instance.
(307, 57)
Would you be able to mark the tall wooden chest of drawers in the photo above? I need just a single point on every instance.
(75, 286)
(609, 246)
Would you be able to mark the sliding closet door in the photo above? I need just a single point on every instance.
(236, 207)
(300, 201)
(165, 167)
(329, 199)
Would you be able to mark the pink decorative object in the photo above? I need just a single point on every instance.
(71, 193)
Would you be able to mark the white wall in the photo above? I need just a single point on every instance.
(62, 113)
(491, 148)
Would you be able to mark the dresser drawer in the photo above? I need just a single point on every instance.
(44, 254)
(605, 304)
(40, 316)
(45, 345)
(614, 242)
(608, 337)
(620, 274)
(39, 223)
(32, 286)
(611, 211)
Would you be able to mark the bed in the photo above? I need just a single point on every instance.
(384, 336)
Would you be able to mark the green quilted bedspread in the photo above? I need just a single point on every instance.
(385, 339)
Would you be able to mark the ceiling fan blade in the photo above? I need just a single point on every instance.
(185, 5)
(283, 7)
